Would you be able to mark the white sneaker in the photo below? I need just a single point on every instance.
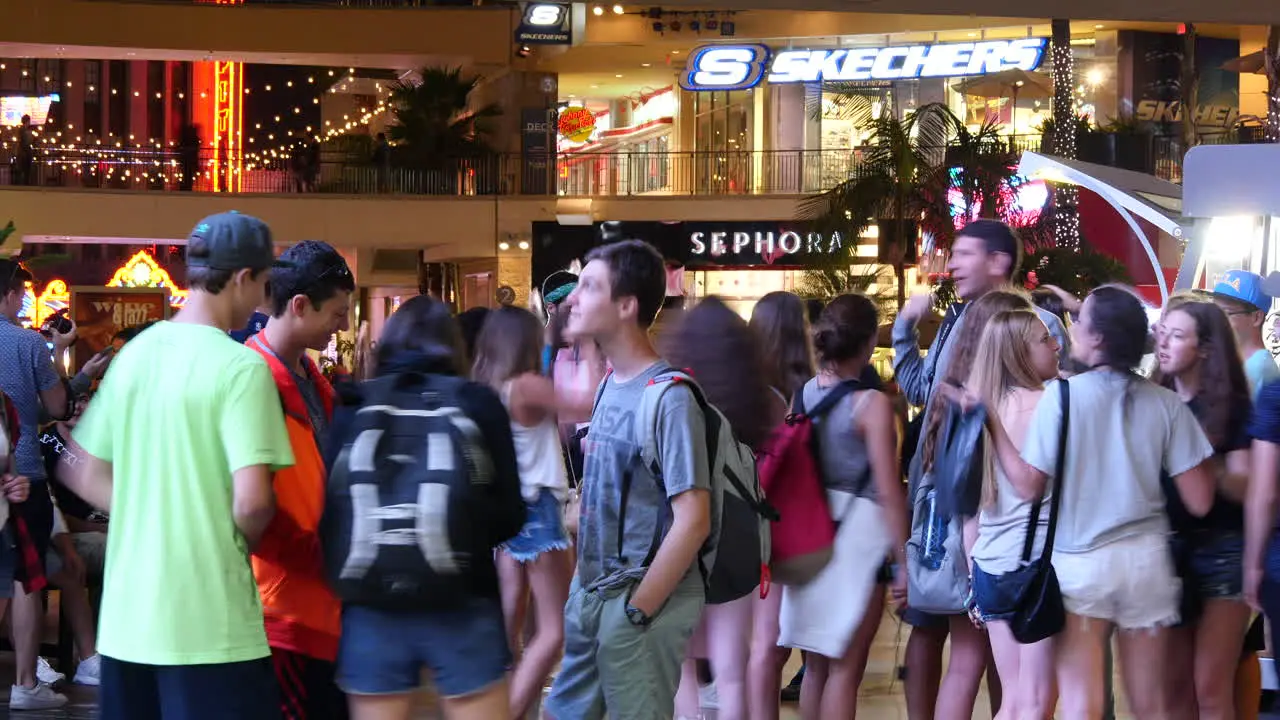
(40, 697)
(708, 698)
(89, 671)
(46, 674)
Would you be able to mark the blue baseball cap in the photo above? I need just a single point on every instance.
(1246, 287)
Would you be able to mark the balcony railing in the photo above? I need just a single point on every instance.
(773, 172)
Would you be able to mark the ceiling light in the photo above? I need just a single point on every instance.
(644, 64)
(524, 245)
(619, 75)
(504, 245)
(598, 10)
(675, 52)
(1098, 27)
(594, 87)
(973, 34)
(572, 97)
(617, 9)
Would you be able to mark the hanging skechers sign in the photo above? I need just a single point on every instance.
(737, 67)
(546, 24)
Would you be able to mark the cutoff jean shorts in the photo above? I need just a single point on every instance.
(543, 529)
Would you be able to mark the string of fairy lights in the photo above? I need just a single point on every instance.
(129, 159)
(1066, 198)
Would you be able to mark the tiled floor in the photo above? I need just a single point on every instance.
(881, 697)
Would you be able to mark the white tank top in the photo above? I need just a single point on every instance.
(538, 456)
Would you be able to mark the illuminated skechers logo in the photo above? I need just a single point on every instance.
(737, 67)
(725, 67)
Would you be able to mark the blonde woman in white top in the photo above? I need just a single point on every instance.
(1016, 357)
(536, 562)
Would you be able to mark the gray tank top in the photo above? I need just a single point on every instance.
(845, 464)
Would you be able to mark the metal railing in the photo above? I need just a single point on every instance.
(760, 172)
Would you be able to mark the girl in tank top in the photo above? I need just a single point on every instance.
(537, 560)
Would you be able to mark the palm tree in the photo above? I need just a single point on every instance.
(980, 165)
(434, 127)
(901, 176)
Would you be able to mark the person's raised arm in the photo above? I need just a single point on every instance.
(686, 470)
(911, 370)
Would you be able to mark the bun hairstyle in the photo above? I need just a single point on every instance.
(844, 329)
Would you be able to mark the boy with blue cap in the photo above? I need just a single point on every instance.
(1246, 299)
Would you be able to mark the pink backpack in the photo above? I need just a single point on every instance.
(790, 470)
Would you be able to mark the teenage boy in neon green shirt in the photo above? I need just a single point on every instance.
(182, 439)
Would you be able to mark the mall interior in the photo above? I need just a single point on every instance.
(552, 128)
(598, 119)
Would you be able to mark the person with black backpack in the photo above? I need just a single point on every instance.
(637, 594)
(425, 486)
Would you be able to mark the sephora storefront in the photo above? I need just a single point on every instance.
(738, 261)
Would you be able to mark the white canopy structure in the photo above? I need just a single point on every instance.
(1232, 204)
(1133, 195)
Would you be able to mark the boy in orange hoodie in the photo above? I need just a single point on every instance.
(310, 299)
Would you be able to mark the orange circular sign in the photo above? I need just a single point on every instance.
(576, 124)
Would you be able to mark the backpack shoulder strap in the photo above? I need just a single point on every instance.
(831, 399)
(651, 401)
(600, 390)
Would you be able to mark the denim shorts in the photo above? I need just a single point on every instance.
(384, 653)
(1217, 564)
(995, 594)
(543, 529)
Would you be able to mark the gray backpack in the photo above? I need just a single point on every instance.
(735, 559)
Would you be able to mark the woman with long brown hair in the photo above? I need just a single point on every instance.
(534, 564)
(720, 351)
(780, 321)
(1198, 360)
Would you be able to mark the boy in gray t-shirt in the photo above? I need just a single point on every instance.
(638, 594)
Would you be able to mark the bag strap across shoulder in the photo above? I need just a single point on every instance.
(828, 401)
(651, 401)
(1064, 392)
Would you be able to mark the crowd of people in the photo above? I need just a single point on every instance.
(513, 499)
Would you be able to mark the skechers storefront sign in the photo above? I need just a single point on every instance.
(737, 67)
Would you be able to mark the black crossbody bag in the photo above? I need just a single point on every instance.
(1040, 613)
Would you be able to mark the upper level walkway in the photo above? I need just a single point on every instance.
(604, 174)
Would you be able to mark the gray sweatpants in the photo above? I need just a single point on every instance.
(611, 665)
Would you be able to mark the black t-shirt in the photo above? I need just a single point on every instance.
(57, 456)
(1226, 514)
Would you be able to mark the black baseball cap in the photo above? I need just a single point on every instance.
(233, 241)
